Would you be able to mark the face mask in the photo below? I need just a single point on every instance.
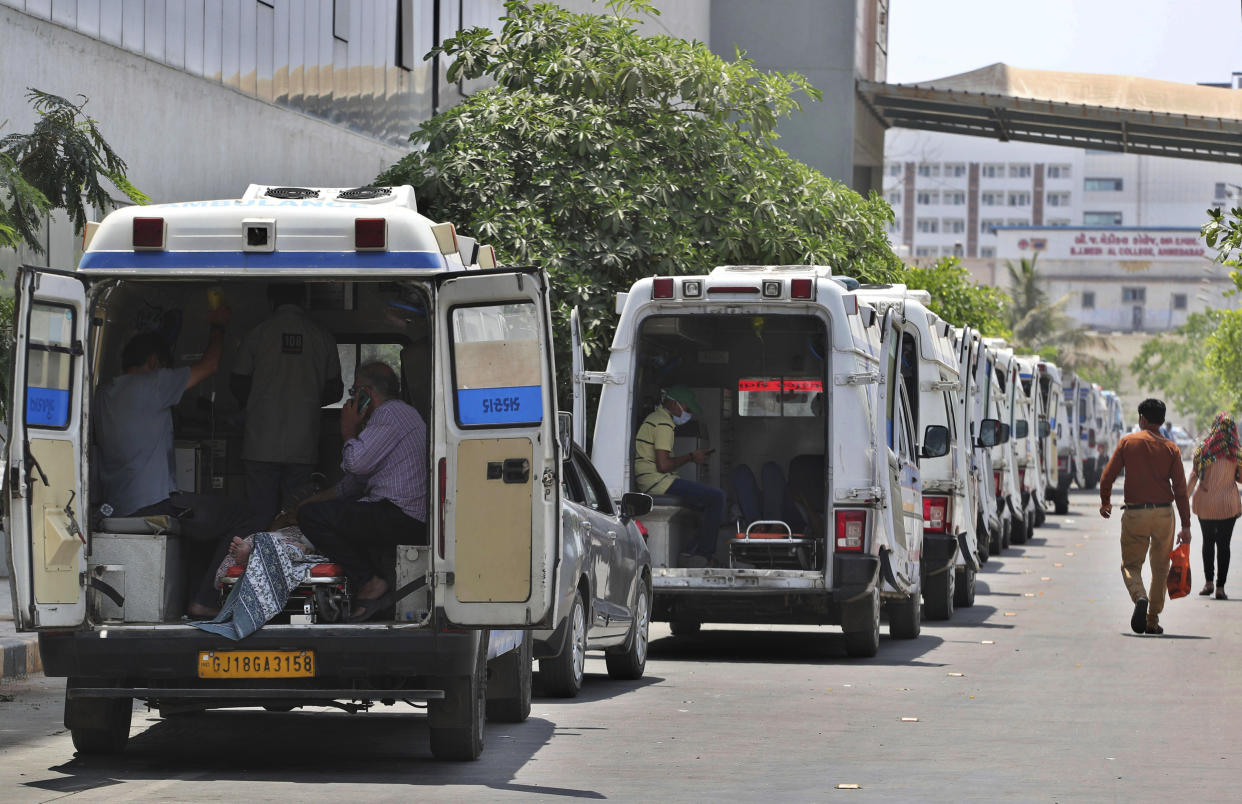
(683, 417)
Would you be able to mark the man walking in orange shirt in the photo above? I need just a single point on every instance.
(1154, 481)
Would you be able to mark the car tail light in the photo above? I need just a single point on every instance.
(936, 514)
(442, 472)
(148, 234)
(801, 288)
(662, 288)
(996, 481)
(851, 529)
(370, 234)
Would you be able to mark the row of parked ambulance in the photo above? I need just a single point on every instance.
(897, 451)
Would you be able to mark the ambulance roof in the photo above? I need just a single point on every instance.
(270, 229)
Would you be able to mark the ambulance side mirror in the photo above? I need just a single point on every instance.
(565, 433)
(635, 504)
(989, 433)
(1045, 429)
(1021, 429)
(935, 441)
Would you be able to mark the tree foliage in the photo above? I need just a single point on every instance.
(606, 156)
(1040, 324)
(1179, 365)
(956, 297)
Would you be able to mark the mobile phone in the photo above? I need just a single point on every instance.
(362, 401)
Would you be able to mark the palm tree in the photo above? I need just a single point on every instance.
(1039, 324)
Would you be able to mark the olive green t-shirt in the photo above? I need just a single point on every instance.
(656, 432)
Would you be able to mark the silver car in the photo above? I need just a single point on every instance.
(1182, 439)
(605, 594)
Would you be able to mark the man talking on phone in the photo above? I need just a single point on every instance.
(382, 499)
(655, 470)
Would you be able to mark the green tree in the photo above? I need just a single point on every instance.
(606, 156)
(1041, 326)
(61, 164)
(1178, 365)
(956, 297)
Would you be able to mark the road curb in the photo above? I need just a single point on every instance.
(19, 658)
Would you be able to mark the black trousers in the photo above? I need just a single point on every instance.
(208, 524)
(349, 532)
(1216, 536)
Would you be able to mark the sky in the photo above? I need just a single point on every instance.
(1190, 41)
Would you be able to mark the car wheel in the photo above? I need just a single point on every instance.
(1061, 502)
(964, 594)
(1017, 530)
(938, 595)
(861, 623)
(630, 663)
(515, 669)
(1041, 516)
(457, 719)
(109, 732)
(562, 674)
(905, 617)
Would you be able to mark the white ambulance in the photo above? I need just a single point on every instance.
(1005, 454)
(1071, 442)
(1024, 492)
(472, 346)
(976, 368)
(1042, 459)
(796, 382)
(929, 370)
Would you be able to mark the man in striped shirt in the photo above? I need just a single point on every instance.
(382, 499)
(655, 470)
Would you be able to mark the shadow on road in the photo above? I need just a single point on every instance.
(1163, 636)
(974, 617)
(598, 687)
(309, 747)
(788, 647)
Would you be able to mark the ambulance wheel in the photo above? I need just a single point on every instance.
(682, 628)
(1061, 501)
(996, 541)
(457, 719)
(983, 542)
(1017, 530)
(861, 622)
(938, 594)
(964, 594)
(905, 617)
(1090, 478)
(109, 720)
(1041, 516)
(561, 675)
(514, 673)
(630, 662)
(1006, 533)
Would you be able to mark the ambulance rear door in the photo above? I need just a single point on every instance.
(47, 547)
(497, 540)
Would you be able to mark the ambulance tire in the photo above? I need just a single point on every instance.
(1090, 478)
(683, 628)
(457, 720)
(1060, 503)
(938, 595)
(516, 667)
(861, 623)
(111, 718)
(561, 675)
(964, 593)
(1017, 530)
(629, 663)
(1006, 532)
(983, 542)
(1041, 516)
(905, 617)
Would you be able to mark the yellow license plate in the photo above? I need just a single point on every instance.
(256, 663)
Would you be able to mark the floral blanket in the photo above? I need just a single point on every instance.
(277, 565)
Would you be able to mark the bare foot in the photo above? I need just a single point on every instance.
(240, 550)
(199, 611)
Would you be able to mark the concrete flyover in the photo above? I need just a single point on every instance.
(1103, 112)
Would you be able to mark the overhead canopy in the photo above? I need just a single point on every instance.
(1105, 112)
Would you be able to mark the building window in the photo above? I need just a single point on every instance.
(1058, 199)
(894, 197)
(993, 171)
(929, 169)
(1018, 222)
(1019, 171)
(1058, 171)
(1179, 301)
(992, 199)
(1134, 295)
(1088, 300)
(954, 170)
(951, 251)
(925, 197)
(953, 225)
(987, 252)
(1058, 222)
(1104, 185)
(894, 168)
(928, 225)
(1101, 219)
(925, 251)
(1020, 199)
(986, 225)
(955, 197)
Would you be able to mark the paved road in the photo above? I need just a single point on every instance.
(1038, 693)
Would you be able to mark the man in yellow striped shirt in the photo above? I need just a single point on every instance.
(655, 470)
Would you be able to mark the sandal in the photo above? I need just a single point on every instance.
(1207, 589)
(1220, 593)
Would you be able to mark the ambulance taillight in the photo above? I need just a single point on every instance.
(851, 527)
(935, 514)
(370, 234)
(801, 288)
(149, 234)
(662, 288)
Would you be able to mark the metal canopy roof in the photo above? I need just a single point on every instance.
(1103, 112)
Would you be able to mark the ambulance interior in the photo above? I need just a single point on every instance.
(152, 566)
(760, 383)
